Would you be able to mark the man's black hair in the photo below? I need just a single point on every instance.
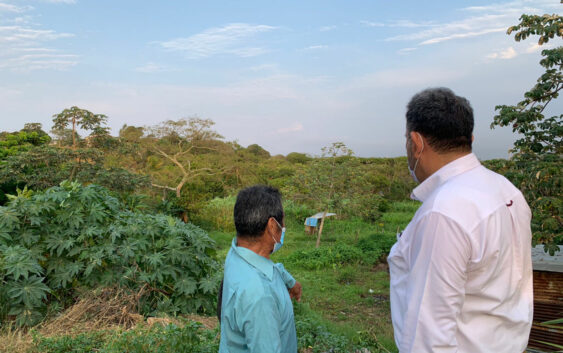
(254, 207)
(446, 120)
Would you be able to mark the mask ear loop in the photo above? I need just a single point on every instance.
(416, 163)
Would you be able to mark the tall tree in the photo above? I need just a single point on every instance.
(536, 166)
(179, 146)
(77, 117)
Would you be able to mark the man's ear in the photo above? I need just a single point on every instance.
(417, 143)
(472, 138)
(271, 226)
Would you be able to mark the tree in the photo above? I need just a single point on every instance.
(178, 147)
(83, 118)
(46, 166)
(536, 166)
(258, 151)
(296, 157)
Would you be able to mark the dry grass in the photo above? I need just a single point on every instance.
(14, 340)
(102, 309)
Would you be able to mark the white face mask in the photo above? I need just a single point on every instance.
(277, 245)
(413, 170)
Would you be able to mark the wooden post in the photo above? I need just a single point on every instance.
(321, 230)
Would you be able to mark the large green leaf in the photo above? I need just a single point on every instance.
(19, 262)
(29, 292)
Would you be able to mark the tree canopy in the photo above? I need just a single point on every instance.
(536, 165)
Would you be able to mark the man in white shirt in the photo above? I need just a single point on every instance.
(461, 272)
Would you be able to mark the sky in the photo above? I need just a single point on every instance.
(291, 76)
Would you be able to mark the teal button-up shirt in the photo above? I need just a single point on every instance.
(256, 311)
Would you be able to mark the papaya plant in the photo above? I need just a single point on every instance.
(73, 236)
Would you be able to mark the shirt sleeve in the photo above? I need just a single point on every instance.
(437, 258)
(261, 326)
(286, 276)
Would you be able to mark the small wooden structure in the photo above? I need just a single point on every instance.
(548, 299)
(312, 223)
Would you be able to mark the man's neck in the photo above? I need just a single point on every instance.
(255, 245)
(435, 161)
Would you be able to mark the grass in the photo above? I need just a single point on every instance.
(350, 299)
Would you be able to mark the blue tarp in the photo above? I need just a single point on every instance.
(311, 222)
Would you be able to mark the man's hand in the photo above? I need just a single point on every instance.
(295, 291)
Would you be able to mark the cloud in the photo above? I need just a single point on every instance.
(411, 24)
(38, 61)
(507, 53)
(510, 52)
(60, 1)
(515, 7)
(4, 7)
(151, 68)
(462, 35)
(405, 51)
(327, 28)
(24, 47)
(230, 39)
(316, 47)
(23, 35)
(372, 24)
(295, 127)
(479, 21)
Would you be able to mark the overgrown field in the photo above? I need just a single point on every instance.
(345, 304)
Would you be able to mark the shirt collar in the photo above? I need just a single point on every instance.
(455, 167)
(262, 264)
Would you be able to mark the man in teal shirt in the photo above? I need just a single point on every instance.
(256, 308)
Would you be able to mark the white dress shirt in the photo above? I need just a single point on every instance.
(461, 272)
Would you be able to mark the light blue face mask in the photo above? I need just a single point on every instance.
(277, 245)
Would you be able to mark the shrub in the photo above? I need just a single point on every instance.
(325, 256)
(71, 235)
(377, 245)
(189, 338)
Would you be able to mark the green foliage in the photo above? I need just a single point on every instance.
(73, 235)
(377, 245)
(84, 342)
(325, 257)
(218, 214)
(13, 143)
(536, 166)
(313, 334)
(45, 166)
(296, 157)
(191, 337)
(258, 151)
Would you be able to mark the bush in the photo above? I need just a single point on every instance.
(71, 236)
(377, 245)
(190, 338)
(325, 257)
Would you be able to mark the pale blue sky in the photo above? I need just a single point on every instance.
(288, 75)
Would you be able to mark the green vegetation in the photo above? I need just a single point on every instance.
(69, 236)
(536, 167)
(189, 337)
